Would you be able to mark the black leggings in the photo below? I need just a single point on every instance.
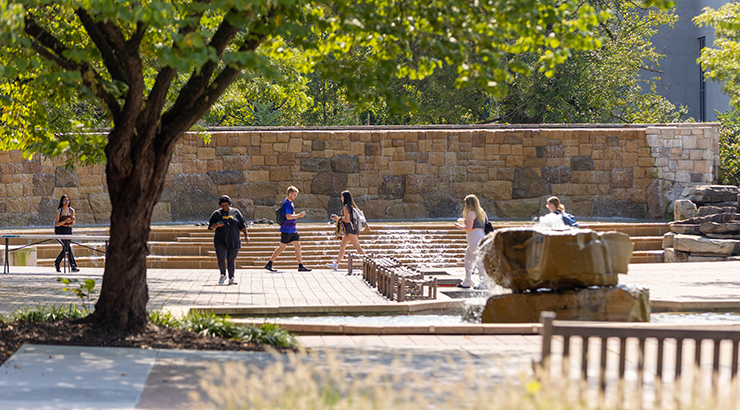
(66, 246)
(226, 257)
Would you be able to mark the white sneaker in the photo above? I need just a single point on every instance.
(222, 279)
(232, 281)
(333, 266)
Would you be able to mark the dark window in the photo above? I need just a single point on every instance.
(702, 85)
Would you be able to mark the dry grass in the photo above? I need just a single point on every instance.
(296, 384)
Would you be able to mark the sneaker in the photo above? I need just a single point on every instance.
(333, 266)
(222, 279)
(269, 267)
(75, 269)
(232, 281)
(302, 268)
(461, 286)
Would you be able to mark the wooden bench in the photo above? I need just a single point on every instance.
(641, 333)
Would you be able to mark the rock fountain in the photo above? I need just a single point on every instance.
(573, 272)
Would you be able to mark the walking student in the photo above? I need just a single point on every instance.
(227, 222)
(288, 231)
(350, 228)
(63, 222)
(473, 223)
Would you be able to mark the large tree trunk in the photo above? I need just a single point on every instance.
(135, 183)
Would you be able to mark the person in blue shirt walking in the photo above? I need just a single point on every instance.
(288, 231)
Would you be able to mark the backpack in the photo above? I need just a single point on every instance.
(569, 219)
(360, 218)
(279, 215)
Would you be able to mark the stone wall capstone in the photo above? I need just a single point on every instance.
(630, 171)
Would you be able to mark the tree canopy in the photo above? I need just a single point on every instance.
(721, 61)
(155, 68)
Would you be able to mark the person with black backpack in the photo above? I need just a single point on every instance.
(473, 223)
(288, 231)
(554, 205)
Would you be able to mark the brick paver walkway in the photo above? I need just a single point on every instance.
(691, 283)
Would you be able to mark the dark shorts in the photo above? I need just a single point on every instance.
(349, 229)
(286, 237)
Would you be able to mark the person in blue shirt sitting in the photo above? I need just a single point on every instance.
(554, 205)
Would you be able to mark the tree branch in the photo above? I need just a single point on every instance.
(51, 48)
(110, 60)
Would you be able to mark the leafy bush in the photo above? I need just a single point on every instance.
(210, 324)
(729, 148)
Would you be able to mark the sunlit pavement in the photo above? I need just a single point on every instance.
(61, 377)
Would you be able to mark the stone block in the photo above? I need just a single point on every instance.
(689, 229)
(703, 194)
(619, 304)
(711, 210)
(556, 175)
(715, 227)
(64, 178)
(441, 204)
(347, 164)
(520, 208)
(670, 255)
(707, 258)
(497, 190)
(315, 164)
(195, 196)
(331, 183)
(406, 211)
(683, 209)
(620, 208)
(393, 187)
(226, 177)
(43, 184)
(700, 244)
(621, 177)
(668, 240)
(534, 258)
(416, 184)
(529, 184)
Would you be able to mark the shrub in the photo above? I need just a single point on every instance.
(729, 148)
(210, 324)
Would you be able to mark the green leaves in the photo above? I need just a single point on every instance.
(722, 61)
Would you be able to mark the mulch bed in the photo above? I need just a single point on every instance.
(75, 333)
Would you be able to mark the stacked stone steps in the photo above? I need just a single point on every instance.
(191, 247)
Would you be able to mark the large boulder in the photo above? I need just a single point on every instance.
(616, 303)
(707, 194)
(535, 258)
(704, 245)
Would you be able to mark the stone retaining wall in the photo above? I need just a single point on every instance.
(397, 174)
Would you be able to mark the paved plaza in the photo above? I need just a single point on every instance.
(59, 377)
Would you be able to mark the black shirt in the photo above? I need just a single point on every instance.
(228, 235)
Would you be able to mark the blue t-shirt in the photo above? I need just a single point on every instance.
(288, 225)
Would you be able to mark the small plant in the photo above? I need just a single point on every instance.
(163, 319)
(83, 290)
(210, 324)
(270, 334)
(47, 314)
